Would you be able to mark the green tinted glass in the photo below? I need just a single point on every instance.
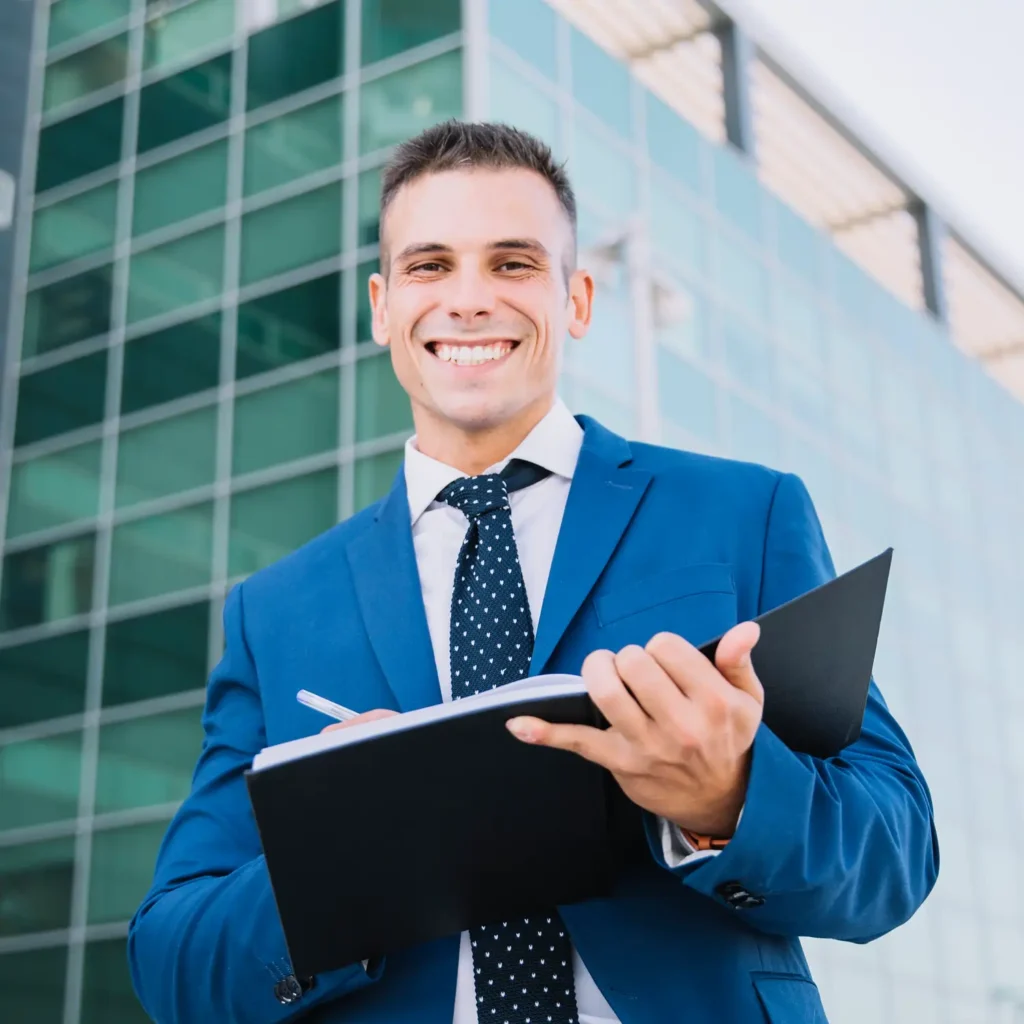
(85, 72)
(187, 102)
(288, 326)
(382, 407)
(156, 655)
(40, 780)
(603, 173)
(35, 886)
(391, 26)
(53, 490)
(374, 477)
(364, 313)
(72, 18)
(161, 554)
(184, 187)
(286, 422)
(398, 106)
(518, 102)
(296, 55)
(47, 583)
(293, 145)
(76, 227)
(601, 83)
(68, 311)
(178, 34)
(121, 870)
(171, 363)
(369, 207)
(528, 27)
(43, 679)
(65, 397)
(269, 522)
(176, 274)
(79, 145)
(290, 234)
(167, 457)
(148, 760)
(107, 993)
(33, 983)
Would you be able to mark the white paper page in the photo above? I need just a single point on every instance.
(510, 693)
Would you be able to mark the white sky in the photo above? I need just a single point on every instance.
(936, 87)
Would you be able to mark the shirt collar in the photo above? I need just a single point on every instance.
(554, 444)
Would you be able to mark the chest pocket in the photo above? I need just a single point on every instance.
(697, 602)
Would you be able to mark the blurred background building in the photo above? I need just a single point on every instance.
(190, 392)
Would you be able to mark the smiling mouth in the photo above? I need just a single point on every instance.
(471, 355)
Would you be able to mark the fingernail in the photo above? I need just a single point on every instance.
(520, 728)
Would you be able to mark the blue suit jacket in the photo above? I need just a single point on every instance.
(653, 539)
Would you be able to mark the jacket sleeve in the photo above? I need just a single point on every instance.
(843, 848)
(206, 943)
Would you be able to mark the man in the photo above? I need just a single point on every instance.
(617, 557)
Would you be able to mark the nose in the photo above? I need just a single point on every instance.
(470, 296)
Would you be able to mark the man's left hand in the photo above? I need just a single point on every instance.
(680, 729)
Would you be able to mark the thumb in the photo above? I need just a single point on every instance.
(732, 659)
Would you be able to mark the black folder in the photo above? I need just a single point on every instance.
(410, 835)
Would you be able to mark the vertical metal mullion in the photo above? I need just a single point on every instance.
(475, 69)
(104, 529)
(931, 233)
(737, 57)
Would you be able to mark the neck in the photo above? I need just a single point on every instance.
(472, 451)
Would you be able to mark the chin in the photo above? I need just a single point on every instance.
(480, 412)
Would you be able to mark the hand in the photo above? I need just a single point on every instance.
(681, 729)
(366, 716)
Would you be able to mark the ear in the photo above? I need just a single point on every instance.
(378, 304)
(581, 302)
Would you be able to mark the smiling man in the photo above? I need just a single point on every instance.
(618, 558)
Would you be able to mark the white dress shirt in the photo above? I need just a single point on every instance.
(438, 531)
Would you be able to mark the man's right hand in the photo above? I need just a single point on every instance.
(366, 716)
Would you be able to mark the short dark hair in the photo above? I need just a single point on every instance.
(461, 145)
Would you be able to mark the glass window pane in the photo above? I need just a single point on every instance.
(184, 187)
(156, 655)
(369, 207)
(288, 326)
(737, 193)
(528, 27)
(286, 422)
(68, 311)
(54, 489)
(687, 396)
(107, 993)
(678, 230)
(269, 522)
(800, 246)
(47, 583)
(754, 434)
(742, 278)
(749, 356)
(176, 274)
(364, 315)
(674, 144)
(121, 870)
(187, 102)
(292, 146)
(601, 83)
(290, 234)
(171, 363)
(391, 26)
(43, 679)
(65, 397)
(583, 399)
(35, 886)
(517, 101)
(167, 457)
(198, 26)
(374, 476)
(79, 145)
(76, 227)
(161, 554)
(382, 407)
(39, 780)
(148, 760)
(602, 173)
(72, 18)
(399, 106)
(33, 982)
(85, 72)
(296, 55)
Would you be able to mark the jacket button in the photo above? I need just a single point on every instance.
(739, 898)
(288, 991)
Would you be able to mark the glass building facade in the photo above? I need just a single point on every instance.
(191, 392)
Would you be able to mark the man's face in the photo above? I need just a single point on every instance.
(474, 301)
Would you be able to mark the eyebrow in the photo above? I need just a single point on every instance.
(530, 245)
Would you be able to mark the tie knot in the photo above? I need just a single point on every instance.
(475, 496)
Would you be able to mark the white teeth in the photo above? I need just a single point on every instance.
(471, 355)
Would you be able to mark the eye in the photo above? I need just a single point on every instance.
(431, 268)
(514, 265)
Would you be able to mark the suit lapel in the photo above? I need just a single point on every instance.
(387, 584)
(602, 500)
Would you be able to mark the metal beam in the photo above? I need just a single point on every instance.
(737, 57)
(931, 233)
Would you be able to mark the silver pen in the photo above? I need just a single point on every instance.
(325, 706)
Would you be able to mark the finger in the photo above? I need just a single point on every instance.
(655, 691)
(613, 700)
(597, 745)
(367, 716)
(688, 669)
(733, 659)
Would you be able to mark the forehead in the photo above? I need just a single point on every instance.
(467, 208)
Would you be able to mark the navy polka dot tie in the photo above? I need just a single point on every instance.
(522, 969)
